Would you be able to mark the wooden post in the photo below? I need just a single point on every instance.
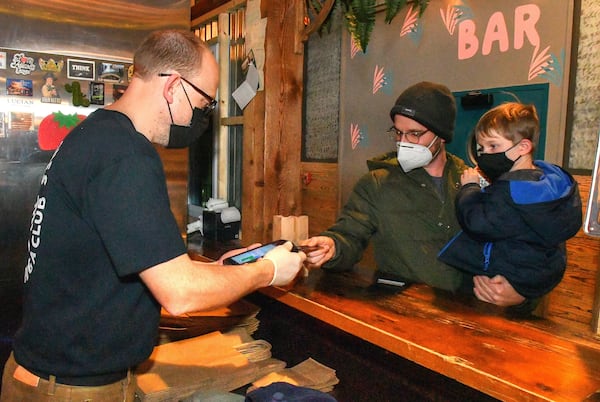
(272, 160)
(222, 140)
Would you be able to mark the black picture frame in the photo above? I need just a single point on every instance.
(81, 69)
(96, 93)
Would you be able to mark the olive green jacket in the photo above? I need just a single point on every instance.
(406, 219)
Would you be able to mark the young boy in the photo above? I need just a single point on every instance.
(515, 227)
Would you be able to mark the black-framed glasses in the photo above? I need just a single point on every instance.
(413, 136)
(212, 102)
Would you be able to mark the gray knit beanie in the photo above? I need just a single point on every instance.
(430, 104)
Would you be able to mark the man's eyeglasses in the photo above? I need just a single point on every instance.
(212, 102)
(412, 136)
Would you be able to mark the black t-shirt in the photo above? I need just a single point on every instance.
(102, 216)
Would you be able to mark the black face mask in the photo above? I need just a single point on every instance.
(184, 136)
(495, 165)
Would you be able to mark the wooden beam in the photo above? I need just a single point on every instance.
(273, 129)
(232, 121)
(283, 113)
(222, 143)
(318, 20)
(253, 184)
(203, 7)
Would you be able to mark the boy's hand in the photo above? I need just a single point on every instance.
(470, 175)
(496, 290)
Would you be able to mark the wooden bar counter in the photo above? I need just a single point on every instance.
(427, 344)
(459, 337)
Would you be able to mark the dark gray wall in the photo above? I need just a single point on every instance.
(400, 54)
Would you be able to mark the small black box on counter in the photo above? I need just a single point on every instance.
(221, 225)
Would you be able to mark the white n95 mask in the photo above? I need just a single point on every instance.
(412, 156)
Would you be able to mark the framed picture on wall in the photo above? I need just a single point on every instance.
(81, 69)
(111, 72)
(96, 93)
(21, 121)
(19, 87)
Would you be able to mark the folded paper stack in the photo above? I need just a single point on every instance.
(309, 374)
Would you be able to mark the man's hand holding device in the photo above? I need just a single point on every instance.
(287, 260)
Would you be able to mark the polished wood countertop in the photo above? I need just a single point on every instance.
(472, 342)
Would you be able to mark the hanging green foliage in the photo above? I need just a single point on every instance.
(392, 7)
(359, 15)
(360, 20)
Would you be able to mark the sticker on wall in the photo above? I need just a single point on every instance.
(23, 64)
(112, 72)
(130, 73)
(118, 91)
(96, 93)
(19, 87)
(81, 69)
(2, 60)
(78, 98)
(51, 65)
(55, 127)
(20, 121)
(49, 89)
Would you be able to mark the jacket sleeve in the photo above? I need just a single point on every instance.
(487, 215)
(354, 226)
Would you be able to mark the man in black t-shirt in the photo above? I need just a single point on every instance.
(105, 253)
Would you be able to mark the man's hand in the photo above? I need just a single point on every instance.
(324, 252)
(496, 290)
(286, 264)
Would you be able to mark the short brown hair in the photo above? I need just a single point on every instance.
(514, 121)
(169, 50)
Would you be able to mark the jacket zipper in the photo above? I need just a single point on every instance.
(487, 252)
(450, 242)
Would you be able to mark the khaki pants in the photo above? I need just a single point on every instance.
(20, 385)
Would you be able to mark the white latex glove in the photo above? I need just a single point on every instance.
(287, 264)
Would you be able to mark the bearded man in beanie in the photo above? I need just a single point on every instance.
(404, 205)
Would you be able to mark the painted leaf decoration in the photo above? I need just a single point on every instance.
(378, 79)
(410, 21)
(539, 61)
(355, 135)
